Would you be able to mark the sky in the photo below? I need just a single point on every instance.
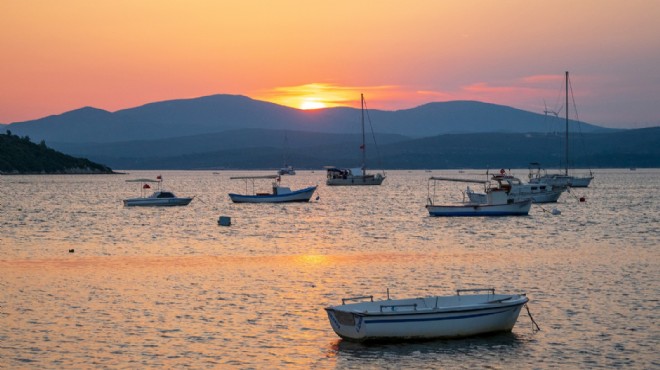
(57, 56)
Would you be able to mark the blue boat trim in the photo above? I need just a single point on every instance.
(462, 317)
(460, 214)
(275, 196)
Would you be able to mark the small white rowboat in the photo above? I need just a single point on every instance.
(426, 318)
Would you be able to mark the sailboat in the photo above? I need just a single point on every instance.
(287, 169)
(354, 176)
(561, 180)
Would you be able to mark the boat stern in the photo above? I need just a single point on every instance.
(346, 325)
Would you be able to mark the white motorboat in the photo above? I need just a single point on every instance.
(497, 203)
(561, 180)
(354, 176)
(159, 198)
(455, 316)
(516, 190)
(480, 209)
(279, 194)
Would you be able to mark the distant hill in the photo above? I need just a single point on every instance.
(21, 156)
(264, 149)
(242, 141)
(231, 131)
(631, 148)
(220, 113)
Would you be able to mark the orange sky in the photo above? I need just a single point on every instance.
(62, 55)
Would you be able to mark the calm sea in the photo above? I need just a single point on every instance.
(169, 288)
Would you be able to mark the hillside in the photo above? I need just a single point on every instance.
(220, 113)
(261, 149)
(21, 156)
(230, 131)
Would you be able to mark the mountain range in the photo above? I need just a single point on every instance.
(229, 131)
(218, 113)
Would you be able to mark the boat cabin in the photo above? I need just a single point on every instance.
(343, 173)
(163, 194)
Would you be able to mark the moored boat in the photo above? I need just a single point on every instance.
(279, 194)
(480, 209)
(516, 190)
(159, 198)
(561, 180)
(455, 316)
(354, 176)
(557, 181)
(351, 176)
(286, 170)
(497, 203)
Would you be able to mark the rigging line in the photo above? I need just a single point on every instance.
(373, 135)
(558, 102)
(558, 106)
(577, 120)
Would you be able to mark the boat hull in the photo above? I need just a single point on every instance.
(356, 180)
(157, 202)
(545, 197)
(563, 181)
(475, 209)
(581, 182)
(303, 195)
(420, 319)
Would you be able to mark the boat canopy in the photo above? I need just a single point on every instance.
(254, 177)
(457, 180)
(143, 180)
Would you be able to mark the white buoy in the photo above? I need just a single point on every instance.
(556, 212)
(224, 221)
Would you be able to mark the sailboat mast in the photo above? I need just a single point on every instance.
(566, 164)
(363, 147)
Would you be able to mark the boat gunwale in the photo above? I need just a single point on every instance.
(520, 299)
(157, 202)
(267, 196)
(480, 205)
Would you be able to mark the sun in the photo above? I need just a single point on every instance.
(312, 104)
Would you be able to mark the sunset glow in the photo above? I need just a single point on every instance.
(312, 104)
(311, 96)
(69, 54)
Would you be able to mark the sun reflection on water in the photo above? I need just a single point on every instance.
(171, 288)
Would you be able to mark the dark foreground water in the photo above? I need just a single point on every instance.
(154, 287)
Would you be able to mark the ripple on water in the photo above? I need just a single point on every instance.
(171, 288)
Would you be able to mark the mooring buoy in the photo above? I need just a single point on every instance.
(224, 221)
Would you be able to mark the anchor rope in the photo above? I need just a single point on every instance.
(544, 210)
(533, 321)
(568, 190)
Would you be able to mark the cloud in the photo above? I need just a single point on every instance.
(328, 94)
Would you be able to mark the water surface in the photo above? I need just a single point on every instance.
(168, 287)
